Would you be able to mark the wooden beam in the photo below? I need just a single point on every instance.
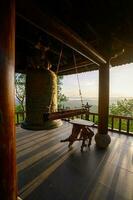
(65, 114)
(58, 30)
(87, 68)
(71, 67)
(8, 189)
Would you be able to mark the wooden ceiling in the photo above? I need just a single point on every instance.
(91, 30)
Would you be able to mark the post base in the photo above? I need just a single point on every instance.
(102, 140)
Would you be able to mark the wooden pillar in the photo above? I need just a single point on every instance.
(103, 99)
(102, 138)
(7, 96)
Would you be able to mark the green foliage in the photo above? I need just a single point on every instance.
(123, 108)
(20, 80)
(61, 97)
(19, 108)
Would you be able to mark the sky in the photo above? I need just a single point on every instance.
(121, 83)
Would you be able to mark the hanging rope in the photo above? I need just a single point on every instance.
(80, 93)
(58, 65)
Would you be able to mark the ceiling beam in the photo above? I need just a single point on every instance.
(72, 67)
(32, 14)
(88, 68)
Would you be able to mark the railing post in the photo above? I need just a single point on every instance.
(87, 116)
(17, 118)
(94, 118)
(23, 116)
(119, 124)
(112, 123)
(128, 125)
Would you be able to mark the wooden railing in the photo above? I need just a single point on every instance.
(116, 123)
(19, 117)
(119, 124)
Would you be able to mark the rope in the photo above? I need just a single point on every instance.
(80, 93)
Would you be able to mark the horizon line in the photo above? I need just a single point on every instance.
(97, 97)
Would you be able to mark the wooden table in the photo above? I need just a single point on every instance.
(80, 131)
(82, 122)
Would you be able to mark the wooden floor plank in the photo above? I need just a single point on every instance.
(37, 146)
(47, 170)
(39, 140)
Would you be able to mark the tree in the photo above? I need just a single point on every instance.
(20, 80)
(61, 97)
(122, 107)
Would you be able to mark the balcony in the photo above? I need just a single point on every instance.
(119, 124)
(47, 169)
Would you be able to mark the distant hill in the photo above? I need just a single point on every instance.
(75, 102)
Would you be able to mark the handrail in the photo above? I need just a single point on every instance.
(122, 117)
(116, 123)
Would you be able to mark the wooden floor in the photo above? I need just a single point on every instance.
(47, 170)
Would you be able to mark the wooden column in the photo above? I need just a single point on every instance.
(7, 97)
(102, 138)
(103, 99)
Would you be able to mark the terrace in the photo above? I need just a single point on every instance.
(46, 39)
(47, 169)
(119, 124)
